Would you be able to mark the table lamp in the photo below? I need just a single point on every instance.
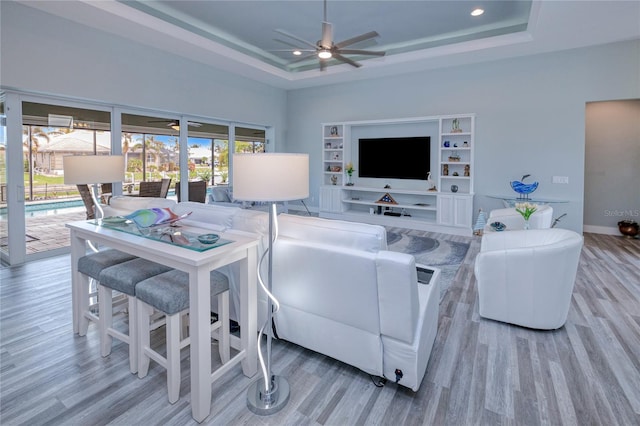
(269, 177)
(93, 170)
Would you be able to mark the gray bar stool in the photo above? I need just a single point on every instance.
(169, 294)
(123, 278)
(91, 265)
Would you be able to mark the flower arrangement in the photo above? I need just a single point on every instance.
(349, 168)
(526, 209)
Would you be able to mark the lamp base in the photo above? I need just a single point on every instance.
(265, 403)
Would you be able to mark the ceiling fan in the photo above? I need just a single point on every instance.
(326, 49)
(175, 124)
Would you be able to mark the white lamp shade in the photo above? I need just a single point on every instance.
(270, 176)
(90, 169)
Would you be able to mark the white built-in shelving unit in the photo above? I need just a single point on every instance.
(448, 208)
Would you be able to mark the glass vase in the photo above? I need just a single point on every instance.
(349, 180)
(526, 224)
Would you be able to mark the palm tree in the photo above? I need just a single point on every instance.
(32, 143)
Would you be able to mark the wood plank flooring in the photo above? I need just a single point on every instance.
(481, 372)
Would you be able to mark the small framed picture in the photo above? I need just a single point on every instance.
(334, 130)
(327, 145)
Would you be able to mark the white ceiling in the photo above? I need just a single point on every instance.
(238, 36)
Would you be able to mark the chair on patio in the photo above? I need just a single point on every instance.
(197, 191)
(150, 189)
(164, 190)
(87, 199)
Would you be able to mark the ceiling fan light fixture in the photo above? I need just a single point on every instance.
(175, 127)
(324, 54)
(477, 12)
(297, 52)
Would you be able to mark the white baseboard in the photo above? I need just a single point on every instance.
(607, 230)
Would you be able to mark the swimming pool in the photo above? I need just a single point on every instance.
(48, 208)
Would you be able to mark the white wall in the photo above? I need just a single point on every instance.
(47, 54)
(612, 171)
(530, 115)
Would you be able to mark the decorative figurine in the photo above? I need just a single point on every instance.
(455, 126)
(334, 179)
(465, 144)
(467, 170)
(445, 170)
(522, 188)
(431, 185)
(480, 223)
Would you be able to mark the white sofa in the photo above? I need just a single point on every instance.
(526, 277)
(540, 219)
(341, 292)
(344, 295)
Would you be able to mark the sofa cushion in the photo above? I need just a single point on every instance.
(206, 214)
(220, 195)
(122, 205)
(355, 235)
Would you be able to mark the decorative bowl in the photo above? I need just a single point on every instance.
(524, 188)
(208, 238)
(498, 226)
(629, 228)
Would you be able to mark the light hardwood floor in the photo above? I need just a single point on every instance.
(480, 371)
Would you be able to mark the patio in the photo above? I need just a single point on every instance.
(47, 232)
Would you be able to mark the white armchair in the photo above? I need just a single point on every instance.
(527, 277)
(540, 219)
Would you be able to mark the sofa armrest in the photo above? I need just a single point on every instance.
(397, 295)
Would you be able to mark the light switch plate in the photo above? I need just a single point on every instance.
(560, 179)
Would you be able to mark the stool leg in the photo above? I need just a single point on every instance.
(83, 302)
(173, 357)
(223, 315)
(134, 343)
(106, 318)
(144, 311)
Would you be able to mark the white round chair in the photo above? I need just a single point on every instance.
(527, 277)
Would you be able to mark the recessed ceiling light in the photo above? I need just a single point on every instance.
(297, 52)
(324, 54)
(477, 12)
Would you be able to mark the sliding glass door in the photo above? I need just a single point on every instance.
(36, 132)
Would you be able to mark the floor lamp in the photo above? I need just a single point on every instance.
(92, 170)
(269, 177)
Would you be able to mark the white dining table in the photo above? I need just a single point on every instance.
(198, 264)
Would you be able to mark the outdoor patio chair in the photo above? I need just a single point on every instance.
(150, 189)
(197, 191)
(164, 190)
(87, 199)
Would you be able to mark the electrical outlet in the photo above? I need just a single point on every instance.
(560, 179)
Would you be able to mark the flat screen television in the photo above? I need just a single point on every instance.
(394, 158)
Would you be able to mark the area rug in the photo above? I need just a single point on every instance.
(442, 254)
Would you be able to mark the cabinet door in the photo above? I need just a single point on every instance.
(445, 210)
(331, 199)
(462, 211)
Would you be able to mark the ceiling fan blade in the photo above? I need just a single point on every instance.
(288, 34)
(327, 35)
(194, 124)
(347, 60)
(285, 42)
(357, 39)
(361, 52)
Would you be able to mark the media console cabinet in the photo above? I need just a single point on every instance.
(399, 202)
